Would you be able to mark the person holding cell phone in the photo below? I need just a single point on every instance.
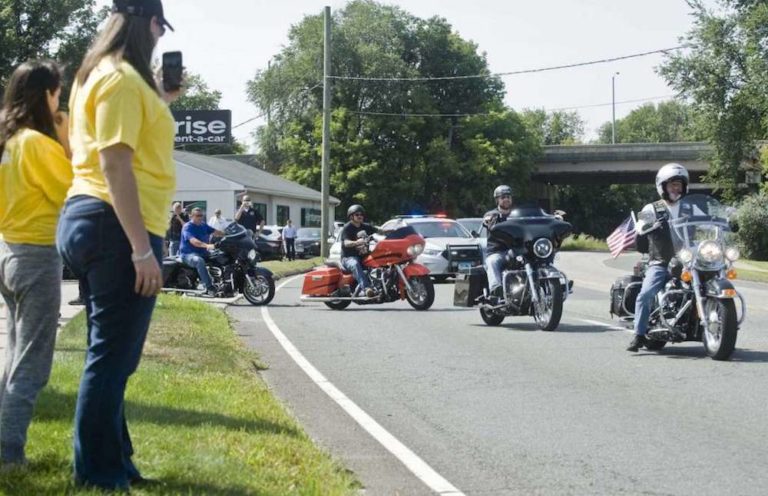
(112, 226)
(249, 217)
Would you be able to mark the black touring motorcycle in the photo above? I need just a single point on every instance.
(532, 285)
(699, 301)
(233, 267)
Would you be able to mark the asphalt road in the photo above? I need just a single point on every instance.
(514, 410)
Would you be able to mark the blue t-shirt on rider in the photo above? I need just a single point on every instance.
(201, 232)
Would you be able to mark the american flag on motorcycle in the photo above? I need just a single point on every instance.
(622, 237)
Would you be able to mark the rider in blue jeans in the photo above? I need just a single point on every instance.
(672, 185)
(195, 237)
(353, 247)
(494, 261)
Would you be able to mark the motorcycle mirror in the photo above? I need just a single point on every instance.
(647, 217)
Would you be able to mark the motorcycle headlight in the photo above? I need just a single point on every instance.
(710, 252)
(415, 250)
(542, 248)
(732, 254)
(685, 255)
(431, 253)
(252, 255)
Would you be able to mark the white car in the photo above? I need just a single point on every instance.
(449, 248)
(475, 226)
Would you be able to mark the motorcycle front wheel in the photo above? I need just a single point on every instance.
(423, 294)
(259, 292)
(720, 337)
(549, 310)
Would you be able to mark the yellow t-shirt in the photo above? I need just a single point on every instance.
(115, 105)
(34, 177)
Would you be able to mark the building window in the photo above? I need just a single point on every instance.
(261, 208)
(310, 217)
(283, 214)
(188, 205)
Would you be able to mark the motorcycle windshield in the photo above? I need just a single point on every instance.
(701, 233)
(529, 224)
(401, 232)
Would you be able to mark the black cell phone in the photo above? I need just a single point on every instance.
(173, 71)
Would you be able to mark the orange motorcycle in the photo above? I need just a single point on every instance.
(391, 269)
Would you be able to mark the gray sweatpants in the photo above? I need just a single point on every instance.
(30, 283)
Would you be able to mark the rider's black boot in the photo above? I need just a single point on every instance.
(637, 343)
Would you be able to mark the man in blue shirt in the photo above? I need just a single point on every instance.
(195, 237)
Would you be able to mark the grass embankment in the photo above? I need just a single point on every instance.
(283, 269)
(746, 271)
(583, 242)
(202, 421)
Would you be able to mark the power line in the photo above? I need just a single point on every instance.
(403, 114)
(511, 73)
(265, 113)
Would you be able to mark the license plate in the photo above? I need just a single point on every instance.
(465, 265)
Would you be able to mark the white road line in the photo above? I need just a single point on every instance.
(609, 326)
(411, 460)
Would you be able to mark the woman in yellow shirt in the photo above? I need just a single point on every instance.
(35, 174)
(112, 227)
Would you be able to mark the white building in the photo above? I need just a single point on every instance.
(211, 183)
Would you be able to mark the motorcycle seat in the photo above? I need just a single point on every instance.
(337, 264)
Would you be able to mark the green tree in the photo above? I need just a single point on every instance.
(198, 96)
(661, 123)
(724, 72)
(60, 30)
(391, 163)
(555, 128)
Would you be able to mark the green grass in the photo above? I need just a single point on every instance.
(763, 265)
(283, 269)
(583, 242)
(202, 421)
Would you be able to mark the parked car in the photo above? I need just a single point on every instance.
(269, 243)
(475, 226)
(308, 242)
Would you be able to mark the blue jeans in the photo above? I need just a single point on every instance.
(198, 262)
(94, 245)
(173, 247)
(494, 267)
(355, 266)
(655, 278)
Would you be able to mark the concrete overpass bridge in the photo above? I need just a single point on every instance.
(630, 163)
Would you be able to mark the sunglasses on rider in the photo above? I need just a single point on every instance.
(509, 197)
(357, 215)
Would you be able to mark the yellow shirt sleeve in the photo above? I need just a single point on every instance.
(118, 112)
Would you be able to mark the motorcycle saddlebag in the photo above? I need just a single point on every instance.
(469, 286)
(321, 281)
(170, 265)
(623, 294)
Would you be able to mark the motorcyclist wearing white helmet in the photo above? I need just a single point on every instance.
(494, 261)
(671, 184)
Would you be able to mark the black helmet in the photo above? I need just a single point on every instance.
(355, 209)
(502, 190)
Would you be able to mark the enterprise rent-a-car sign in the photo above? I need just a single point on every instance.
(203, 127)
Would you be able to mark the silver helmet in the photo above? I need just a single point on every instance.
(671, 172)
(502, 190)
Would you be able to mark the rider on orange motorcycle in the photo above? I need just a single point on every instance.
(354, 247)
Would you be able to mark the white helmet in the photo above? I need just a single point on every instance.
(671, 172)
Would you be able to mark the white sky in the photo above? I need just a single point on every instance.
(229, 40)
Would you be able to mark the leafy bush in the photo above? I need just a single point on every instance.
(752, 218)
(583, 242)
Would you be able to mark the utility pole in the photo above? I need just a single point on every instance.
(613, 107)
(325, 182)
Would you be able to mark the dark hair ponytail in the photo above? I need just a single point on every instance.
(26, 100)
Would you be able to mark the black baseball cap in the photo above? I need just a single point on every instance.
(142, 8)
